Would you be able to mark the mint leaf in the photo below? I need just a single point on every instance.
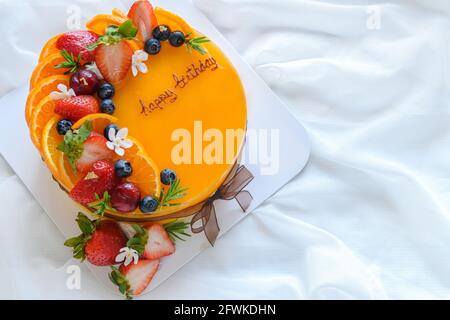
(114, 34)
(127, 30)
(72, 146)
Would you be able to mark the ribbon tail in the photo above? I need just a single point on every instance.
(212, 227)
(244, 199)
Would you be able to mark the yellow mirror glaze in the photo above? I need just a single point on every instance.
(180, 88)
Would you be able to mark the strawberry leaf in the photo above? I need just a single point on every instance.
(139, 240)
(121, 281)
(78, 243)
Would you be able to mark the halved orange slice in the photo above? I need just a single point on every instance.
(52, 156)
(49, 48)
(119, 13)
(42, 90)
(46, 68)
(43, 112)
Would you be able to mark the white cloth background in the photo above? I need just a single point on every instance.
(367, 218)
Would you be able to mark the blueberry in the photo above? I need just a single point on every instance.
(177, 38)
(107, 106)
(161, 32)
(148, 204)
(168, 176)
(63, 126)
(123, 168)
(110, 126)
(152, 46)
(106, 91)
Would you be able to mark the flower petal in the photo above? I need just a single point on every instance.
(122, 133)
(111, 134)
(71, 93)
(121, 256)
(62, 87)
(134, 70)
(119, 151)
(126, 144)
(110, 145)
(55, 95)
(128, 260)
(142, 67)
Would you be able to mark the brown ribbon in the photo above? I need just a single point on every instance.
(232, 188)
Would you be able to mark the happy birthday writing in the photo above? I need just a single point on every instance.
(169, 96)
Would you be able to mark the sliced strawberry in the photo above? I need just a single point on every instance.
(94, 149)
(76, 42)
(158, 243)
(99, 179)
(75, 108)
(105, 244)
(114, 61)
(144, 18)
(139, 275)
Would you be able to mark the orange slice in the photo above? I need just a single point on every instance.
(100, 22)
(41, 90)
(145, 172)
(175, 22)
(119, 13)
(52, 156)
(46, 68)
(41, 116)
(49, 48)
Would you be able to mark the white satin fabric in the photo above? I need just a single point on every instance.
(368, 217)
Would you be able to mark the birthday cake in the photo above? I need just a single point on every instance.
(133, 118)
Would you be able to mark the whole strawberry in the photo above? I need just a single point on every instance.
(99, 243)
(76, 43)
(75, 108)
(100, 179)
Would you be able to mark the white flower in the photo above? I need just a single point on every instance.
(137, 62)
(93, 67)
(63, 93)
(127, 255)
(117, 142)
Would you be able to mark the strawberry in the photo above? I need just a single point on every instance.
(138, 276)
(100, 179)
(94, 149)
(144, 18)
(76, 42)
(158, 243)
(75, 108)
(114, 61)
(99, 243)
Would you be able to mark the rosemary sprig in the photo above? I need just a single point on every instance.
(101, 205)
(196, 43)
(71, 63)
(176, 229)
(174, 192)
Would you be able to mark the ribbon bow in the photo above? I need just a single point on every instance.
(232, 188)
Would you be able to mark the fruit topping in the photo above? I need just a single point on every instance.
(75, 108)
(123, 168)
(106, 91)
(71, 63)
(63, 126)
(73, 144)
(144, 18)
(158, 243)
(161, 32)
(84, 82)
(110, 126)
(98, 180)
(125, 197)
(118, 141)
(152, 46)
(94, 149)
(107, 106)
(177, 38)
(99, 243)
(148, 204)
(134, 278)
(114, 61)
(168, 176)
(77, 42)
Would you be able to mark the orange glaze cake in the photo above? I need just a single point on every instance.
(133, 117)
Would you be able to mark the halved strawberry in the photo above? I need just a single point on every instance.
(99, 179)
(76, 42)
(158, 243)
(144, 18)
(75, 108)
(139, 275)
(114, 61)
(94, 149)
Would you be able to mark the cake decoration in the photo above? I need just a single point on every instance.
(103, 109)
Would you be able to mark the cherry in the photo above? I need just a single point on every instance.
(84, 82)
(125, 197)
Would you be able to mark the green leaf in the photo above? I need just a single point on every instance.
(174, 192)
(71, 63)
(176, 229)
(127, 29)
(121, 281)
(196, 44)
(139, 240)
(73, 242)
(72, 146)
(114, 34)
(102, 204)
